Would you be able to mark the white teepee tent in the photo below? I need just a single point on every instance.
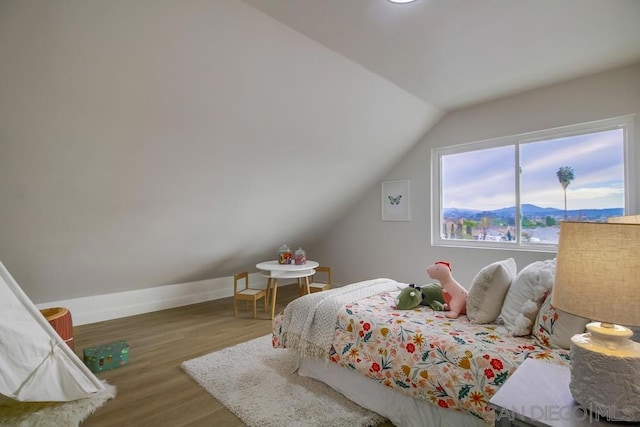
(35, 363)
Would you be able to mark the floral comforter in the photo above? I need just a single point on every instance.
(451, 363)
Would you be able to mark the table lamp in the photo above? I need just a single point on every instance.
(598, 278)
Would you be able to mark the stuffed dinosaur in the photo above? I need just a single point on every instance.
(412, 296)
(454, 293)
(431, 296)
(409, 298)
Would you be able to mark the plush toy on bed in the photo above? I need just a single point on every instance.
(454, 294)
(431, 296)
(414, 295)
(409, 298)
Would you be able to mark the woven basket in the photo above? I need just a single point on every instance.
(60, 319)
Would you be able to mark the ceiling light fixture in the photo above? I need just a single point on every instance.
(402, 1)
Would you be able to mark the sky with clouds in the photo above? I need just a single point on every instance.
(484, 180)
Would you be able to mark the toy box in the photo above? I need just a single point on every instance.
(106, 356)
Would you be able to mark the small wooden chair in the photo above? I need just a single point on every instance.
(303, 281)
(247, 293)
(317, 286)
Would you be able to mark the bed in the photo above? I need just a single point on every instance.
(415, 367)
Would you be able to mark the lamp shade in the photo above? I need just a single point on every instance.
(598, 272)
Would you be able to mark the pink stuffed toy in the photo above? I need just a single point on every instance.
(454, 294)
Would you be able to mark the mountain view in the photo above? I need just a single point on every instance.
(539, 225)
(533, 213)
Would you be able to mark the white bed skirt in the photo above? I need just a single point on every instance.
(401, 410)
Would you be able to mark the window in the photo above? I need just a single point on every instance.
(513, 192)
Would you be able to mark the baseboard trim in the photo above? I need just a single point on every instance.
(98, 308)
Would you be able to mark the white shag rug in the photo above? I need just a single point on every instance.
(260, 385)
(32, 414)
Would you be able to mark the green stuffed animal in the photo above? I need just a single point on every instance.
(409, 299)
(431, 296)
(413, 296)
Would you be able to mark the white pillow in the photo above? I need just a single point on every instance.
(488, 290)
(554, 328)
(525, 296)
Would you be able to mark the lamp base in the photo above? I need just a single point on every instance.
(605, 374)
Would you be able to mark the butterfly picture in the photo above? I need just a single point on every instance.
(394, 200)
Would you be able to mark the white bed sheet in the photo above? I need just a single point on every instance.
(401, 410)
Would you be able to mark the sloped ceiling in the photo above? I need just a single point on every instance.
(454, 53)
(158, 142)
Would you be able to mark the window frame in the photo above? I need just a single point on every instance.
(626, 123)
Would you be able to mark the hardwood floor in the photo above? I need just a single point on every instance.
(152, 389)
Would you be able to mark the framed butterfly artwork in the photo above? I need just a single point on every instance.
(395, 201)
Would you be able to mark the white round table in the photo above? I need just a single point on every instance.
(273, 271)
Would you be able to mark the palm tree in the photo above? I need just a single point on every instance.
(565, 176)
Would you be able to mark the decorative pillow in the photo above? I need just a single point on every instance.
(525, 296)
(554, 328)
(488, 290)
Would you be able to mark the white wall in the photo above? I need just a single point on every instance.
(361, 246)
(157, 142)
